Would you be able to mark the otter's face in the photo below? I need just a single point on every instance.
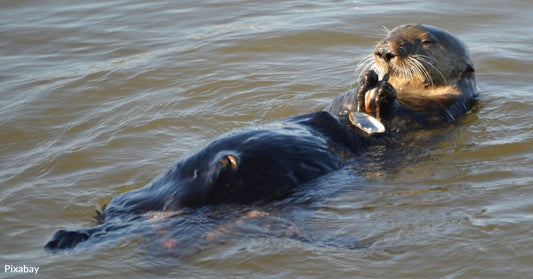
(419, 56)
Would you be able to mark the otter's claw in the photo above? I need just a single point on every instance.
(385, 78)
(385, 99)
(369, 80)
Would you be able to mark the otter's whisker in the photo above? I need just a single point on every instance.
(421, 70)
(422, 59)
(380, 71)
(363, 66)
(365, 63)
(411, 68)
(406, 69)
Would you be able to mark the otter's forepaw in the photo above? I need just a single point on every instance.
(385, 100)
(369, 81)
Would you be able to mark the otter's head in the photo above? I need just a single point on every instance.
(421, 57)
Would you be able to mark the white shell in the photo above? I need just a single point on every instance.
(366, 123)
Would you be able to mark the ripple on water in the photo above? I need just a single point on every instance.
(100, 98)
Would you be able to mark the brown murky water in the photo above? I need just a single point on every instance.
(99, 98)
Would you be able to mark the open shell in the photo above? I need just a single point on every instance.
(366, 122)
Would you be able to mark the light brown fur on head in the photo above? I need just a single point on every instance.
(422, 59)
(430, 74)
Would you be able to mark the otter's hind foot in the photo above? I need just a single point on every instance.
(64, 239)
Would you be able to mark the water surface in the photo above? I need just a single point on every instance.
(100, 98)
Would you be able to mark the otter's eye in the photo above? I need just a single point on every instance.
(428, 42)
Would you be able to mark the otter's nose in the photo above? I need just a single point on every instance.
(384, 51)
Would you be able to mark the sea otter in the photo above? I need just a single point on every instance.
(421, 76)
(427, 79)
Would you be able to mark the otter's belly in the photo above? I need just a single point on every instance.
(248, 166)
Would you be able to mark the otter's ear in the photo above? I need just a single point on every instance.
(468, 71)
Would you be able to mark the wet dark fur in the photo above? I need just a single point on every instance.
(243, 168)
(258, 165)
